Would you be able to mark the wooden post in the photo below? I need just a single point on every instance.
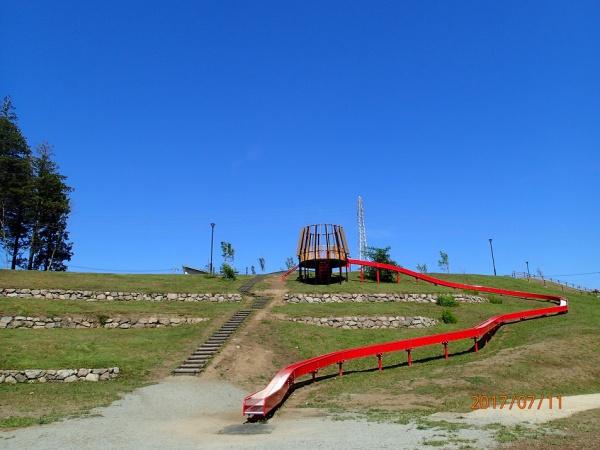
(409, 356)
(379, 363)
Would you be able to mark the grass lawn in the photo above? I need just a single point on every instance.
(143, 355)
(556, 355)
(123, 283)
(409, 285)
(58, 308)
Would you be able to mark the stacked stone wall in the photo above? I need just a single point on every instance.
(62, 294)
(57, 376)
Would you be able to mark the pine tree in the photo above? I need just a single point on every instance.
(15, 186)
(49, 246)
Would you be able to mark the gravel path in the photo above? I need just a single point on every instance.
(514, 416)
(190, 413)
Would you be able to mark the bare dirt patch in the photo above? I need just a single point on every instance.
(245, 360)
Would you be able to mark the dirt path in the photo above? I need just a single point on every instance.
(244, 361)
(191, 413)
(515, 416)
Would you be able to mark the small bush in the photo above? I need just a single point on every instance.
(448, 317)
(227, 271)
(446, 301)
(470, 292)
(495, 300)
(102, 319)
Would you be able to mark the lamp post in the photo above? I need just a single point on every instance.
(528, 274)
(492, 251)
(212, 238)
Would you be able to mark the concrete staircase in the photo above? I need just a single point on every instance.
(198, 360)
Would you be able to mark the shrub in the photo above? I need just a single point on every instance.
(102, 319)
(227, 271)
(495, 300)
(448, 317)
(447, 301)
(380, 255)
(469, 292)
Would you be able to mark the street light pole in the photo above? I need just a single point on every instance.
(212, 238)
(528, 274)
(492, 251)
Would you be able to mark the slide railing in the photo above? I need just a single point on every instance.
(263, 402)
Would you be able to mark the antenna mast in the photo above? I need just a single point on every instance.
(362, 234)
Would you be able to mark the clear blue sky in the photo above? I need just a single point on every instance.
(456, 121)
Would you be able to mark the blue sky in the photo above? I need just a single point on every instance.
(456, 122)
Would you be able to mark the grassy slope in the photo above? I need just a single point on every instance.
(113, 282)
(558, 355)
(408, 284)
(143, 355)
(59, 308)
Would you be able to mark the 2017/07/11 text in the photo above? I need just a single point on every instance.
(531, 401)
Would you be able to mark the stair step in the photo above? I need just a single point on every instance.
(179, 371)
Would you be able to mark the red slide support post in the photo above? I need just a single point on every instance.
(263, 402)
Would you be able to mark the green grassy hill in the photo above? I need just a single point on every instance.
(410, 285)
(113, 282)
(143, 355)
(556, 355)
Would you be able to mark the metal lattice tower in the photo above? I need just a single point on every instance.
(362, 233)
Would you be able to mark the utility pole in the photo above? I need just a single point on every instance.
(493, 260)
(212, 238)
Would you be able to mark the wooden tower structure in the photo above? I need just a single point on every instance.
(322, 248)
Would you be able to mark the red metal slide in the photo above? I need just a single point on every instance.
(263, 402)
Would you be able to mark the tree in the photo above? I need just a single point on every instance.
(261, 262)
(50, 208)
(380, 255)
(253, 270)
(227, 271)
(422, 268)
(15, 186)
(443, 262)
(34, 201)
(227, 251)
(290, 263)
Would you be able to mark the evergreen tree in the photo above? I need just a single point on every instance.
(34, 201)
(15, 186)
(49, 247)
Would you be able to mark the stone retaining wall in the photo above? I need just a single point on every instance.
(97, 322)
(366, 322)
(60, 294)
(366, 298)
(57, 376)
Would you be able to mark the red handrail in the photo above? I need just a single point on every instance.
(290, 270)
(261, 403)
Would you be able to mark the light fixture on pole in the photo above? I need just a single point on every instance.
(493, 260)
(212, 237)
